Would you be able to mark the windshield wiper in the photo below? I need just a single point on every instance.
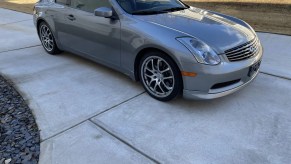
(148, 12)
(175, 9)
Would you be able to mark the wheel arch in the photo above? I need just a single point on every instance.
(143, 51)
(39, 20)
(51, 26)
(57, 44)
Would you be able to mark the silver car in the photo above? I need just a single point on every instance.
(172, 48)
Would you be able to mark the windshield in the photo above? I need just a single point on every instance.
(143, 7)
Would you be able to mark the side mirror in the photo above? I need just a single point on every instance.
(103, 12)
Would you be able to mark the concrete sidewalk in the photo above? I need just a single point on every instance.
(88, 113)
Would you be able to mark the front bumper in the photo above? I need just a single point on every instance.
(217, 81)
(206, 96)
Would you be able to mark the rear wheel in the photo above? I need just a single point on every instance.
(160, 76)
(47, 39)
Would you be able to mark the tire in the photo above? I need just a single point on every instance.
(47, 39)
(160, 76)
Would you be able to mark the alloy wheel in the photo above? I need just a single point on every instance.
(158, 76)
(46, 38)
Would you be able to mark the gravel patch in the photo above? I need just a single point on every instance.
(19, 135)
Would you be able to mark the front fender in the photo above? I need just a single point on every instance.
(135, 39)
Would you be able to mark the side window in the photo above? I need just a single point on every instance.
(89, 5)
(63, 2)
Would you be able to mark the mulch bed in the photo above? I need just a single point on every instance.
(19, 134)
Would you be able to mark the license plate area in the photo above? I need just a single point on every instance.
(254, 68)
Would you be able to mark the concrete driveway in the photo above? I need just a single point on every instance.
(88, 113)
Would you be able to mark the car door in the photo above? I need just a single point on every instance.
(97, 37)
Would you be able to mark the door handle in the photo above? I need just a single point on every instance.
(71, 17)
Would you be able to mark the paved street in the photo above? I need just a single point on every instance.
(88, 113)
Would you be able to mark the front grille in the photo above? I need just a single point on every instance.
(244, 51)
(225, 84)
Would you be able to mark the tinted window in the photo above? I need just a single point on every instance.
(89, 5)
(63, 2)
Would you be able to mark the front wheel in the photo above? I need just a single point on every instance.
(160, 76)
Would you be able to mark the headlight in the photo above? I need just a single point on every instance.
(201, 51)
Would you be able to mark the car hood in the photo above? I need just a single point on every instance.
(218, 32)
